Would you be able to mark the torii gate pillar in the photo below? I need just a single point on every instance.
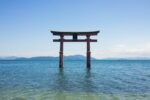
(75, 39)
(61, 51)
(88, 55)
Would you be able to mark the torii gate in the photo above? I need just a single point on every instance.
(75, 39)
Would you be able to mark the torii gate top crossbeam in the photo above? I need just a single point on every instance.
(75, 36)
(78, 33)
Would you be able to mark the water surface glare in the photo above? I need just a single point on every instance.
(43, 80)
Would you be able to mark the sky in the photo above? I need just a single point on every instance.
(124, 26)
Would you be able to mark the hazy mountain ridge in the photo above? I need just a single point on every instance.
(72, 57)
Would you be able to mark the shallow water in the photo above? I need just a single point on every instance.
(43, 80)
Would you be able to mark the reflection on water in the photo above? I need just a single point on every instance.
(43, 80)
(74, 82)
(61, 82)
(88, 84)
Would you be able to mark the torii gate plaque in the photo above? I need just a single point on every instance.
(75, 39)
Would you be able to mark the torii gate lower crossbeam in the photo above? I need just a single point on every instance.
(75, 39)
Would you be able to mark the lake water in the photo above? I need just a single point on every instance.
(106, 80)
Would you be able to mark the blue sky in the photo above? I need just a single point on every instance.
(124, 24)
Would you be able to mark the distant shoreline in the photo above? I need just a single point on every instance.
(81, 60)
(67, 58)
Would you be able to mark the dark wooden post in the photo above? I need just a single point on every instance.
(88, 55)
(61, 52)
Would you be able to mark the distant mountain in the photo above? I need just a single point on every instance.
(37, 58)
(76, 57)
(8, 58)
(72, 57)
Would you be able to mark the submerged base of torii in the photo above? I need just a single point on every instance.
(75, 39)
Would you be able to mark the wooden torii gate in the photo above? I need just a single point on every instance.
(75, 39)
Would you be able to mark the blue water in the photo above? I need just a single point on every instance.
(29, 79)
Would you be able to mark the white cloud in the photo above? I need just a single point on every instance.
(122, 50)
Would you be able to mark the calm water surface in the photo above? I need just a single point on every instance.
(43, 80)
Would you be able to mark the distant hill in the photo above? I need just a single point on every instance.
(72, 57)
(8, 58)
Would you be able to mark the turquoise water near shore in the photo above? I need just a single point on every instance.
(106, 80)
